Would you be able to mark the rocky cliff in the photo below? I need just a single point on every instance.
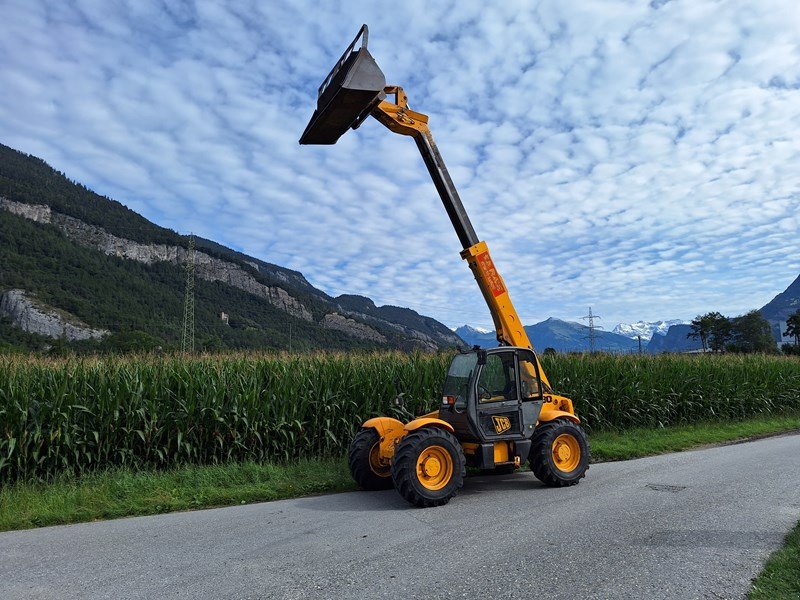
(351, 327)
(206, 267)
(34, 317)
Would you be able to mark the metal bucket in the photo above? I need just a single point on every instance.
(350, 91)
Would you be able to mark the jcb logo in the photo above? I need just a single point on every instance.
(501, 424)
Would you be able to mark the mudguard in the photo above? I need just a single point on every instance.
(390, 430)
(427, 421)
(550, 412)
(384, 425)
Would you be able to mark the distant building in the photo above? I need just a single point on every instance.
(224, 317)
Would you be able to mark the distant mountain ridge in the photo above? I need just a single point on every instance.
(674, 340)
(784, 304)
(645, 329)
(562, 336)
(777, 310)
(80, 257)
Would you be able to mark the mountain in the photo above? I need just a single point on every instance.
(566, 336)
(563, 336)
(645, 329)
(86, 270)
(777, 310)
(476, 336)
(784, 304)
(675, 340)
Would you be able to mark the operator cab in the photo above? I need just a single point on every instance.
(492, 395)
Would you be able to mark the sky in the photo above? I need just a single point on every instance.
(639, 158)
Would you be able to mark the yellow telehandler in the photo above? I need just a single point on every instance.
(498, 409)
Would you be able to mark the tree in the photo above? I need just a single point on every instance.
(752, 333)
(793, 327)
(720, 331)
(700, 328)
(712, 329)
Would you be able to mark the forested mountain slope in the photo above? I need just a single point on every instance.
(87, 259)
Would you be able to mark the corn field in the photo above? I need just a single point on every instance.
(75, 415)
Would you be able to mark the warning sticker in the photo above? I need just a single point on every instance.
(490, 274)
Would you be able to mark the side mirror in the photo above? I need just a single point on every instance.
(481, 357)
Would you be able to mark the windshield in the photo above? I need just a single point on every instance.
(458, 376)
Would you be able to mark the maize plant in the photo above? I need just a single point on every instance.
(78, 414)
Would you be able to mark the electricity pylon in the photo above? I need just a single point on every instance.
(187, 339)
(592, 337)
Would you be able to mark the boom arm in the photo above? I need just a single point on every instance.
(397, 117)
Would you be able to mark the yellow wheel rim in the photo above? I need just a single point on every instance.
(566, 453)
(434, 467)
(375, 464)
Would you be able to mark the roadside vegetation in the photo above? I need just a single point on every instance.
(780, 579)
(122, 492)
(75, 416)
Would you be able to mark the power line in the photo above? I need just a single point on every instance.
(187, 340)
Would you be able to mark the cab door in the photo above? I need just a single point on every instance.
(531, 392)
(498, 407)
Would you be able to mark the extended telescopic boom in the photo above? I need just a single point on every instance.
(356, 89)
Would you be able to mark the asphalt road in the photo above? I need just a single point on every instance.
(690, 525)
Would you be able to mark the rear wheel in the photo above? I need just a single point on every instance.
(428, 467)
(364, 461)
(560, 453)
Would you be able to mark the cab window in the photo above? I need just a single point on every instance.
(497, 381)
(458, 376)
(529, 385)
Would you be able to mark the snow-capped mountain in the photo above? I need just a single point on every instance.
(562, 336)
(476, 335)
(646, 329)
(470, 329)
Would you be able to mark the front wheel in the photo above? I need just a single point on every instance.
(364, 461)
(428, 467)
(560, 453)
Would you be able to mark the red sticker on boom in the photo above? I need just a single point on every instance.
(490, 274)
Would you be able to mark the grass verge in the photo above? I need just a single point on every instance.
(781, 575)
(122, 493)
(635, 443)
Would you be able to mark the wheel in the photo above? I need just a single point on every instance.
(428, 467)
(559, 453)
(363, 459)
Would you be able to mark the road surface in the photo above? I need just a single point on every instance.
(690, 525)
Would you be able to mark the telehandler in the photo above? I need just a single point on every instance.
(498, 409)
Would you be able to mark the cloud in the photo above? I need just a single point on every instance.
(641, 159)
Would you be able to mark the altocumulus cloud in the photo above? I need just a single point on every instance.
(641, 158)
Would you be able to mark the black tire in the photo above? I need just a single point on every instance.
(541, 458)
(405, 473)
(363, 471)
